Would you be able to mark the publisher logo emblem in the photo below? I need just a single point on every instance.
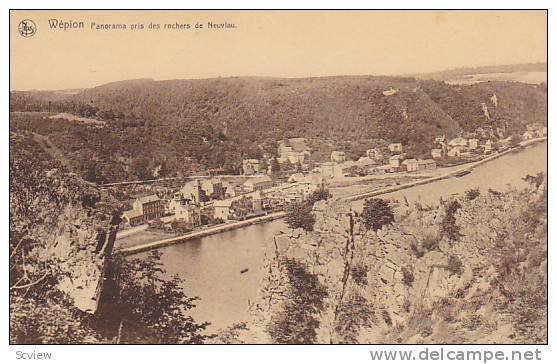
(27, 28)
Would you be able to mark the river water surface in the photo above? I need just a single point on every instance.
(211, 265)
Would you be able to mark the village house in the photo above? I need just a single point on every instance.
(132, 217)
(337, 156)
(194, 192)
(344, 169)
(150, 207)
(387, 168)
(395, 160)
(436, 153)
(222, 209)
(533, 126)
(410, 164)
(529, 134)
(214, 188)
(472, 143)
(296, 177)
(257, 202)
(301, 190)
(257, 183)
(236, 208)
(505, 143)
(274, 198)
(488, 147)
(295, 150)
(291, 194)
(426, 164)
(455, 151)
(250, 166)
(374, 154)
(440, 140)
(327, 170)
(458, 142)
(184, 210)
(365, 165)
(395, 147)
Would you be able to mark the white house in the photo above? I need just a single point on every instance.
(472, 143)
(395, 147)
(258, 183)
(374, 154)
(488, 147)
(411, 164)
(337, 156)
(250, 166)
(528, 135)
(426, 164)
(458, 142)
(186, 211)
(436, 153)
(395, 160)
(455, 151)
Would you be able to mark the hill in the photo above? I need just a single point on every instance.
(187, 126)
(509, 70)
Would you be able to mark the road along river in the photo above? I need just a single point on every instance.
(212, 265)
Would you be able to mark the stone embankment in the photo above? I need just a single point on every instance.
(199, 234)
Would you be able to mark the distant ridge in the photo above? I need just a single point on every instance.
(463, 71)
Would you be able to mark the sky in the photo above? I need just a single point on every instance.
(266, 43)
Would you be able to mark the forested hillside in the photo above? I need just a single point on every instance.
(188, 126)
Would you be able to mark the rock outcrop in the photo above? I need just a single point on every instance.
(408, 282)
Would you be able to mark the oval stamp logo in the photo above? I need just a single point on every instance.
(27, 28)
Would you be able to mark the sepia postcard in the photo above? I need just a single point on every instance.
(278, 177)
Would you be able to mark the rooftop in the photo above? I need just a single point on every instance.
(148, 199)
(130, 214)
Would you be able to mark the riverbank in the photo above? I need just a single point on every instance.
(453, 173)
(198, 234)
(466, 168)
(211, 266)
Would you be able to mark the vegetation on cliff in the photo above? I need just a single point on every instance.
(472, 269)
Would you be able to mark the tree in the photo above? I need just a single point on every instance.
(155, 308)
(296, 322)
(454, 265)
(353, 313)
(321, 194)
(472, 193)
(449, 228)
(377, 213)
(299, 215)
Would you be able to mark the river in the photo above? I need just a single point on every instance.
(211, 265)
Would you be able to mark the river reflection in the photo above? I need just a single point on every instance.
(211, 265)
(212, 269)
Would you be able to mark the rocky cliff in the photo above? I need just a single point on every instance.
(412, 281)
(59, 229)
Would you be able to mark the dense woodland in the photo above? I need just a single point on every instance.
(191, 126)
